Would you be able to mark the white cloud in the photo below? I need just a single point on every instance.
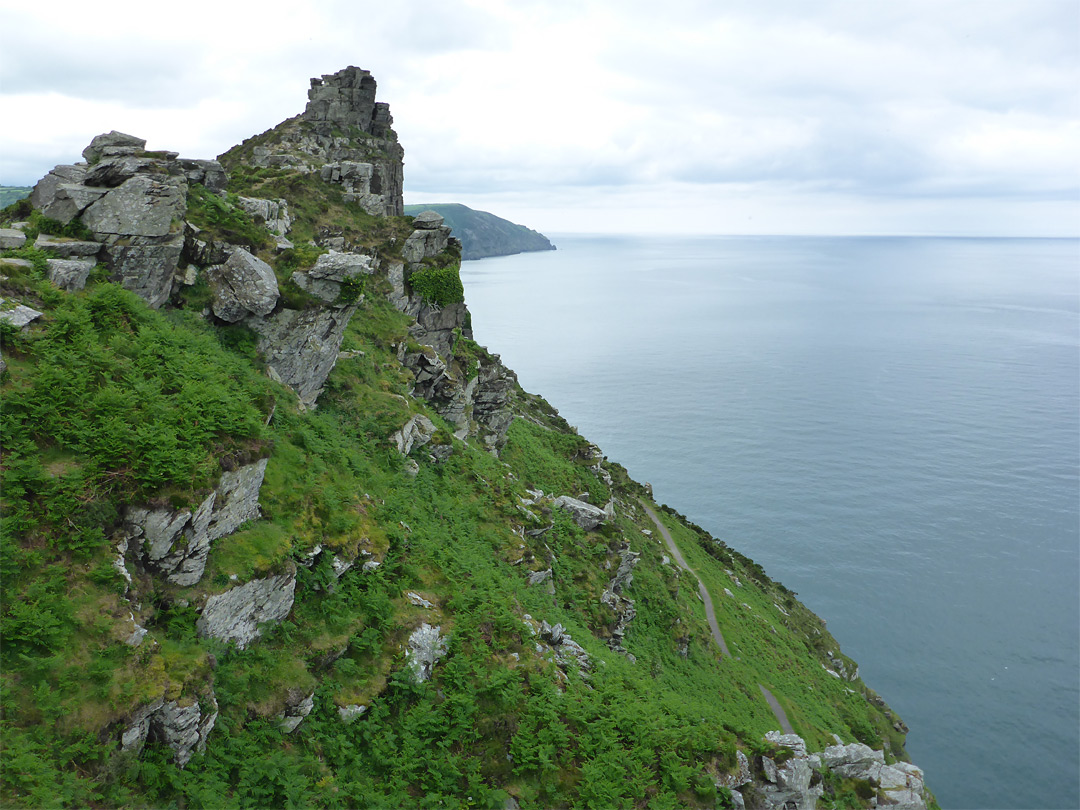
(593, 103)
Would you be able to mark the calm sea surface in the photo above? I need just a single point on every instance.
(891, 426)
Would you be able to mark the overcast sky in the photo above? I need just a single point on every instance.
(728, 117)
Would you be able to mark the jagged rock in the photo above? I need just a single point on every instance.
(357, 179)
(134, 736)
(297, 707)
(791, 741)
(244, 285)
(621, 606)
(142, 205)
(350, 712)
(43, 197)
(787, 786)
(301, 348)
(426, 646)
(176, 543)
(146, 268)
(583, 514)
(200, 249)
(742, 776)
(208, 173)
(70, 274)
(97, 147)
(416, 599)
(67, 248)
(902, 783)
(182, 728)
(17, 315)
(111, 172)
(424, 243)
(417, 432)
(324, 279)
(236, 614)
(566, 650)
(273, 213)
(11, 238)
(539, 577)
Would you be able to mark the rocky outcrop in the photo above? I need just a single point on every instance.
(301, 347)
(426, 646)
(18, 315)
(621, 606)
(11, 238)
(297, 707)
(110, 144)
(274, 214)
(235, 616)
(181, 726)
(583, 514)
(67, 248)
(417, 432)
(175, 543)
(326, 278)
(902, 784)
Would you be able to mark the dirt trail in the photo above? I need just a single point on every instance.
(710, 615)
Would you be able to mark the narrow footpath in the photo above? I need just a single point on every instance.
(710, 615)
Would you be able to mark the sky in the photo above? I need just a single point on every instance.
(936, 117)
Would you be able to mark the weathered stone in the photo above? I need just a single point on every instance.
(94, 151)
(145, 269)
(345, 98)
(324, 279)
(424, 243)
(140, 206)
(274, 214)
(10, 238)
(202, 250)
(301, 348)
(583, 514)
(17, 314)
(113, 171)
(742, 776)
(182, 728)
(426, 646)
(237, 498)
(235, 615)
(208, 173)
(70, 274)
(244, 285)
(417, 432)
(67, 248)
(44, 193)
(134, 736)
(298, 706)
(419, 601)
(428, 220)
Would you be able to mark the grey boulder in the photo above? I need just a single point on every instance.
(243, 285)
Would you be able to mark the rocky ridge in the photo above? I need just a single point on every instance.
(296, 292)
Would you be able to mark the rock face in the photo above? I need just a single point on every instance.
(621, 606)
(181, 727)
(301, 347)
(235, 615)
(331, 271)
(902, 783)
(175, 543)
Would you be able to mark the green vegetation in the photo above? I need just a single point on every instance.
(109, 405)
(12, 194)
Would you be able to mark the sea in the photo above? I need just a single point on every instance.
(890, 426)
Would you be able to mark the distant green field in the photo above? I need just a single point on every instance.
(11, 194)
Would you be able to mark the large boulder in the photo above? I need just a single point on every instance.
(145, 266)
(44, 193)
(70, 274)
(426, 646)
(583, 514)
(183, 728)
(330, 271)
(243, 285)
(111, 141)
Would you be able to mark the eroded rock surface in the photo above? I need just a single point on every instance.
(235, 615)
(426, 646)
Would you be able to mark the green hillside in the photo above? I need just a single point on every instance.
(276, 532)
(11, 194)
(483, 234)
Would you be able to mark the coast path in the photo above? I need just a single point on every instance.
(710, 615)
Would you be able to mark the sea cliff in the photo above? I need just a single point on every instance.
(278, 531)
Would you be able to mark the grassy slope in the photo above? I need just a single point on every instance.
(108, 403)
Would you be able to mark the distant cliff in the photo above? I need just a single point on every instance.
(483, 234)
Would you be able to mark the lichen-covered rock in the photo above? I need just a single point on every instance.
(176, 543)
(18, 315)
(244, 285)
(70, 274)
(11, 238)
(350, 712)
(426, 646)
(67, 248)
(425, 243)
(274, 214)
(134, 736)
(301, 347)
(146, 267)
(235, 616)
(43, 197)
(208, 173)
(415, 433)
(583, 514)
(621, 605)
(143, 205)
(183, 728)
(297, 707)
